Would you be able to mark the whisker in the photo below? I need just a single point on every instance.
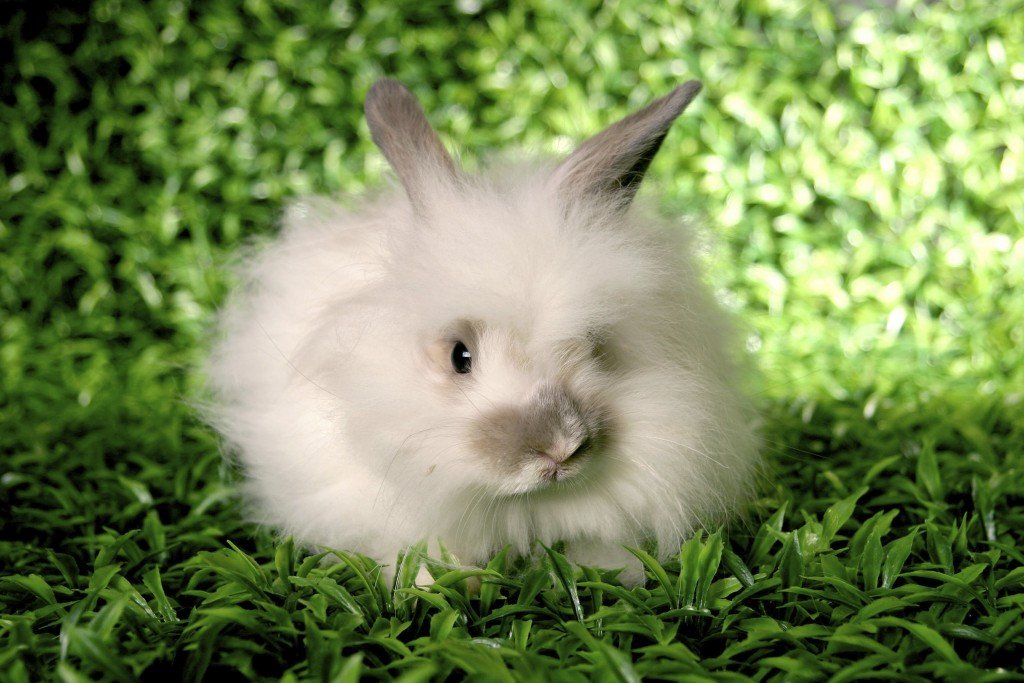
(784, 447)
(787, 383)
(691, 448)
(477, 498)
(292, 365)
(463, 392)
(394, 457)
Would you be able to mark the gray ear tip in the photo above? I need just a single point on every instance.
(692, 86)
(685, 93)
(385, 90)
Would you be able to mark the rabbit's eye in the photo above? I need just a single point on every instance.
(462, 359)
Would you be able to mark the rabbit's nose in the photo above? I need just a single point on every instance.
(565, 449)
(557, 427)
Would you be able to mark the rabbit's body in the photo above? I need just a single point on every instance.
(495, 361)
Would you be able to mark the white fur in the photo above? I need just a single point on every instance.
(351, 439)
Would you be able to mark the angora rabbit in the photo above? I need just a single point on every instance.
(519, 356)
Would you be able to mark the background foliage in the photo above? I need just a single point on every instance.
(861, 172)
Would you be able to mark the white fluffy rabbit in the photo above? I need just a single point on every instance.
(520, 356)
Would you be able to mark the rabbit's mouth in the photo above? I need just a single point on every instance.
(542, 473)
(565, 463)
(553, 471)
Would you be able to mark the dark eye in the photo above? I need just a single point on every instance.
(462, 359)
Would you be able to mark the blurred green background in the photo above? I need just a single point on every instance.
(859, 172)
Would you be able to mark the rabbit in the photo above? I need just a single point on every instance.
(518, 357)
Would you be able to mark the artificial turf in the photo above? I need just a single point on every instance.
(860, 175)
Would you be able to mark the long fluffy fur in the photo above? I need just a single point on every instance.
(320, 385)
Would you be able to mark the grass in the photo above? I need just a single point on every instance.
(861, 172)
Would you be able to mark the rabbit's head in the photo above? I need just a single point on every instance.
(528, 325)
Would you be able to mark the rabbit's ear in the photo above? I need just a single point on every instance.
(401, 130)
(612, 163)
